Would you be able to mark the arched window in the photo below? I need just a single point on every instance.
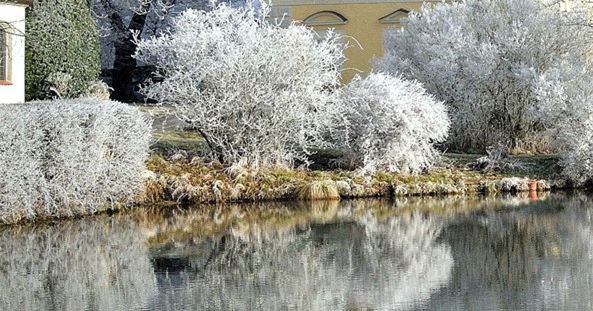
(5, 52)
(394, 17)
(325, 18)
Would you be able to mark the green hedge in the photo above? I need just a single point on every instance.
(61, 38)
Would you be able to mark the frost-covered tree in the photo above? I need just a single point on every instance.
(258, 93)
(567, 111)
(472, 55)
(392, 124)
(119, 20)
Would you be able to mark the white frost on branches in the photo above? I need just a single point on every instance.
(259, 94)
(472, 54)
(567, 111)
(113, 18)
(392, 124)
(70, 157)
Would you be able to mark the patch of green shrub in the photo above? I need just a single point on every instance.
(62, 44)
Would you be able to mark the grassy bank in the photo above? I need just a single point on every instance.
(179, 174)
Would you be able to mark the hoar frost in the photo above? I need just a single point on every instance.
(259, 94)
(472, 55)
(392, 124)
(512, 72)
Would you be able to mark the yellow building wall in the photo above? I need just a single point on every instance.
(363, 26)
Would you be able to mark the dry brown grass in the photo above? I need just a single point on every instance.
(318, 190)
(194, 181)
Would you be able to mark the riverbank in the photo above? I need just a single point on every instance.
(178, 173)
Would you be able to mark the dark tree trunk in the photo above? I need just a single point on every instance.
(124, 64)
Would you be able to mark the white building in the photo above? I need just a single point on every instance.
(12, 50)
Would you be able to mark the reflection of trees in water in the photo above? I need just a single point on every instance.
(355, 255)
(421, 266)
(371, 263)
(537, 257)
(79, 265)
(567, 261)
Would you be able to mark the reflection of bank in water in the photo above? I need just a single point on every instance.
(181, 224)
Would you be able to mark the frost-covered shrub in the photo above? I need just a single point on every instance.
(497, 159)
(56, 84)
(98, 90)
(471, 55)
(69, 157)
(567, 112)
(392, 123)
(259, 94)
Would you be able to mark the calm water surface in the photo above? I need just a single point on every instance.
(412, 254)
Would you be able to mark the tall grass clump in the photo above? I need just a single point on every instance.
(70, 157)
(318, 190)
(392, 124)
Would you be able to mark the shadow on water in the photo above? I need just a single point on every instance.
(454, 253)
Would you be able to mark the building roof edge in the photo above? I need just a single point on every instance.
(22, 2)
(331, 2)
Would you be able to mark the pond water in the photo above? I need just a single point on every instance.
(513, 253)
